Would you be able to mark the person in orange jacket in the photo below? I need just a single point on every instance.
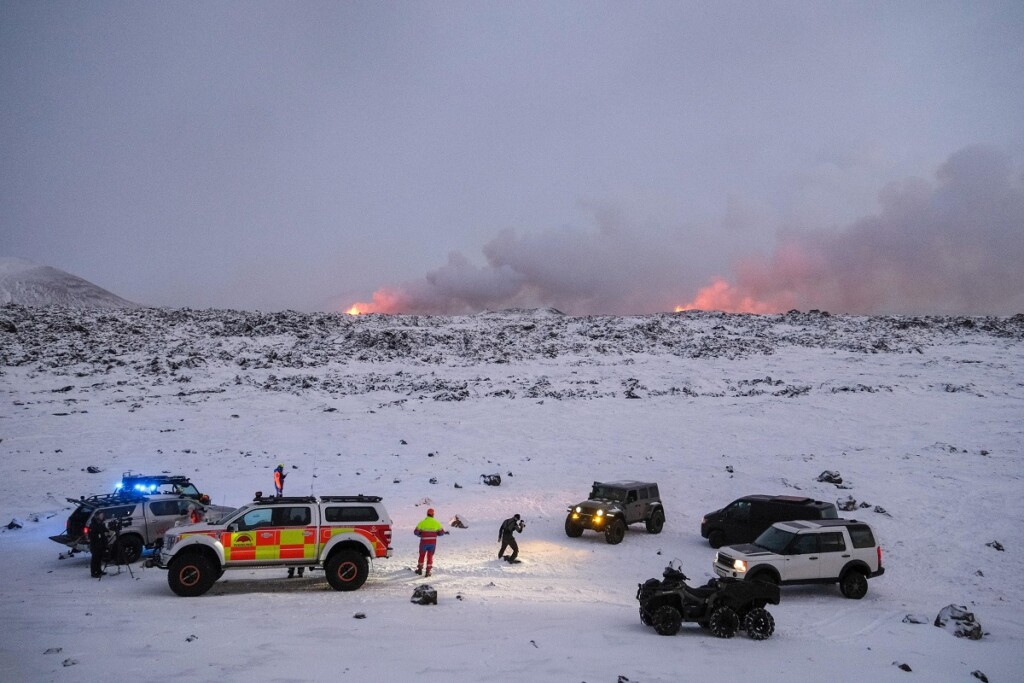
(428, 530)
(279, 476)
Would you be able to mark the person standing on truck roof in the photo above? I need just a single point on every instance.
(279, 476)
(428, 530)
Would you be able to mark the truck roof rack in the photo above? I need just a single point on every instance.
(269, 500)
(351, 499)
(105, 499)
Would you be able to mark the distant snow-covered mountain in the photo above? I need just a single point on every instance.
(30, 284)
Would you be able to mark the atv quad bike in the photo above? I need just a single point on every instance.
(722, 606)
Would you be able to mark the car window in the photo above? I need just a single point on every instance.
(358, 513)
(861, 536)
(119, 511)
(255, 518)
(832, 542)
(643, 493)
(740, 510)
(631, 497)
(653, 491)
(607, 493)
(165, 508)
(291, 516)
(829, 512)
(774, 539)
(804, 544)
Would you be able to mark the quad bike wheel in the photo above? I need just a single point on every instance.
(724, 622)
(666, 620)
(759, 623)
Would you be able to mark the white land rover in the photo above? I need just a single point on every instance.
(842, 551)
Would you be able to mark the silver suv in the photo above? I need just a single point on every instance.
(842, 551)
(139, 512)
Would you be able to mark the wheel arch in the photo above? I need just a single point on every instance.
(199, 549)
(348, 543)
(854, 565)
(131, 536)
(761, 570)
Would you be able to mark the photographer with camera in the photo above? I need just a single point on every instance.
(98, 543)
(506, 536)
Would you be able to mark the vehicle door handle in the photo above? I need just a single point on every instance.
(812, 558)
(307, 533)
(845, 556)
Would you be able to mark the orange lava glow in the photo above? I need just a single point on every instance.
(722, 296)
(384, 301)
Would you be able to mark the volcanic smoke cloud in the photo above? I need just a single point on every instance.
(955, 246)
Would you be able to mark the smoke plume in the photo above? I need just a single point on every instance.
(951, 246)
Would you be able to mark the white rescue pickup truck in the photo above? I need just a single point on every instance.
(339, 534)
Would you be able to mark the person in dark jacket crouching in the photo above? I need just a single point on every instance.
(505, 536)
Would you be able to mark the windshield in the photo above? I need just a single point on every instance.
(775, 540)
(607, 493)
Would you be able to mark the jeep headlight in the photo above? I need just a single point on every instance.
(739, 565)
(600, 513)
(578, 509)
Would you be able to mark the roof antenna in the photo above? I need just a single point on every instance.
(314, 475)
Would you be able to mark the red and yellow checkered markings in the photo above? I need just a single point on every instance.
(269, 543)
(372, 533)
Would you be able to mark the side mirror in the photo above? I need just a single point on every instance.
(233, 527)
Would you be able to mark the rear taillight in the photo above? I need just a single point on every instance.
(879, 557)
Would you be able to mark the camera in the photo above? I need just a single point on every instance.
(118, 523)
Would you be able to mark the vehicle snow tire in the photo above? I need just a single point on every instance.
(666, 620)
(616, 532)
(573, 529)
(656, 522)
(716, 538)
(191, 575)
(854, 584)
(759, 623)
(347, 570)
(724, 622)
(127, 549)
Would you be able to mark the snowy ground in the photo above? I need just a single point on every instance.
(933, 437)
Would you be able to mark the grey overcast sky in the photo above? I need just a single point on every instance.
(446, 157)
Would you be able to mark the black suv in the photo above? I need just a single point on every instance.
(614, 505)
(743, 520)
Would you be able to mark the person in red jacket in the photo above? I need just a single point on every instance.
(279, 476)
(428, 530)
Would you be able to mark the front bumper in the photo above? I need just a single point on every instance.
(591, 521)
